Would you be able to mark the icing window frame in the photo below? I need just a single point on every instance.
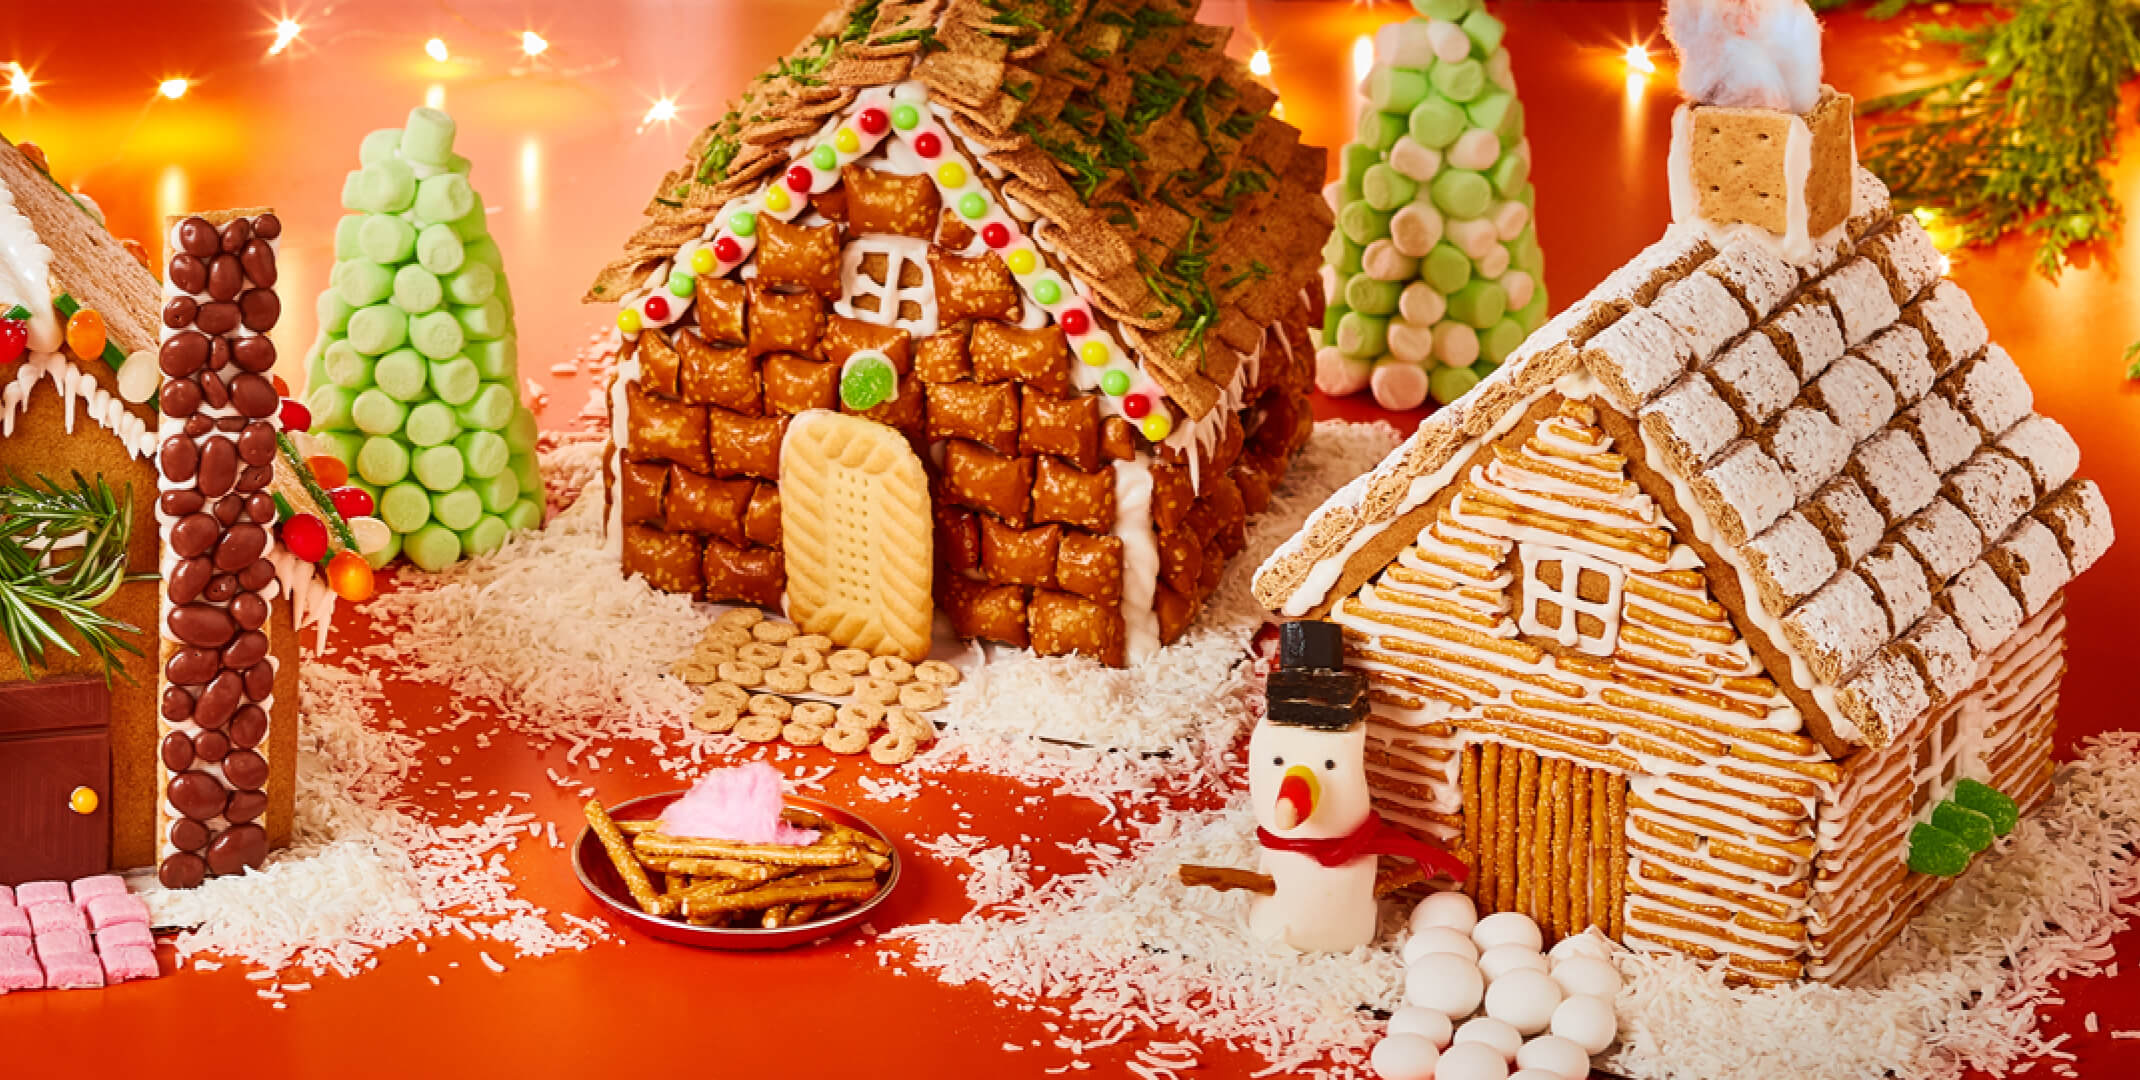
(1567, 600)
(1942, 754)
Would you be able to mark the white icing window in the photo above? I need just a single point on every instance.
(1952, 749)
(885, 280)
(1571, 597)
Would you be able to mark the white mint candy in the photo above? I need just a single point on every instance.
(1516, 283)
(1450, 908)
(1524, 1000)
(1476, 150)
(1507, 927)
(1415, 161)
(1421, 305)
(1439, 939)
(1555, 1055)
(1338, 375)
(1487, 1031)
(1425, 1023)
(1413, 343)
(1502, 959)
(1588, 943)
(1586, 1021)
(139, 376)
(1448, 984)
(1451, 44)
(1404, 1057)
(1397, 385)
(1583, 975)
(1533, 1074)
(1416, 229)
(1471, 1061)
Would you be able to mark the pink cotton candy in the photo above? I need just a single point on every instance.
(740, 805)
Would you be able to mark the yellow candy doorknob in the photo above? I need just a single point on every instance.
(83, 800)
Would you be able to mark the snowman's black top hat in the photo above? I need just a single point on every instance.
(1311, 687)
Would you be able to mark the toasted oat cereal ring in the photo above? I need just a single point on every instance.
(714, 653)
(758, 729)
(772, 705)
(811, 641)
(798, 733)
(891, 669)
(876, 691)
(759, 653)
(773, 633)
(747, 675)
(803, 660)
(846, 740)
(714, 717)
(729, 694)
(815, 712)
(905, 721)
(832, 683)
(860, 715)
(849, 661)
(695, 671)
(921, 696)
(742, 618)
(786, 680)
(892, 748)
(938, 672)
(731, 636)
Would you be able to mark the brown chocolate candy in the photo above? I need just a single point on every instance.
(187, 834)
(256, 443)
(177, 705)
(228, 508)
(219, 467)
(256, 354)
(249, 610)
(245, 806)
(256, 577)
(242, 848)
(197, 795)
(203, 626)
(255, 396)
(195, 534)
(226, 278)
(250, 648)
(267, 226)
(177, 752)
(260, 309)
(259, 261)
(198, 238)
(189, 274)
(246, 769)
(192, 667)
(221, 699)
(241, 546)
(232, 424)
(214, 393)
(218, 353)
(236, 234)
(179, 459)
(220, 588)
(197, 426)
(256, 478)
(219, 318)
(250, 726)
(187, 579)
(260, 508)
(212, 746)
(183, 353)
(179, 398)
(259, 683)
(178, 504)
(184, 870)
(180, 312)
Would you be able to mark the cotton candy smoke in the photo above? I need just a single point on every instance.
(1754, 54)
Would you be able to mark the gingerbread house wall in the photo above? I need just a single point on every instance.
(1998, 732)
(1665, 759)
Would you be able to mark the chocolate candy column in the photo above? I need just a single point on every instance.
(215, 459)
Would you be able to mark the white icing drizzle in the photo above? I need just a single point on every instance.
(76, 388)
(1140, 558)
(1796, 245)
(26, 275)
(620, 426)
(311, 598)
(899, 253)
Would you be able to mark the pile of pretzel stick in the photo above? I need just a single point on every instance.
(763, 886)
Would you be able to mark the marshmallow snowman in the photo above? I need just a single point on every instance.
(1310, 783)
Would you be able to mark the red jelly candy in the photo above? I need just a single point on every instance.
(799, 179)
(14, 338)
(351, 502)
(657, 308)
(872, 121)
(727, 250)
(995, 234)
(1135, 406)
(306, 537)
(928, 144)
(1075, 321)
(295, 417)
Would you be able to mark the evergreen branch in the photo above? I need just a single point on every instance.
(37, 591)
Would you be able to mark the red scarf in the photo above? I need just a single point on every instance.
(1374, 837)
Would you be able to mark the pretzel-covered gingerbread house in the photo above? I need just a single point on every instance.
(1063, 248)
(1725, 617)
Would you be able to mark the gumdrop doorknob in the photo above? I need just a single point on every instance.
(83, 801)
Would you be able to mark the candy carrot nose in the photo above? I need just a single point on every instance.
(1297, 794)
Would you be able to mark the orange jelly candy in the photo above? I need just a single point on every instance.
(328, 470)
(350, 577)
(85, 334)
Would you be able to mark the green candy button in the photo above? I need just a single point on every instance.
(868, 381)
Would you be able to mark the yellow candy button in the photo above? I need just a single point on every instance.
(776, 199)
(951, 174)
(847, 141)
(628, 320)
(1157, 427)
(83, 801)
(1094, 353)
(702, 261)
(1021, 261)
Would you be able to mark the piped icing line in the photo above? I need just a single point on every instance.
(1140, 558)
(26, 275)
(77, 389)
(620, 422)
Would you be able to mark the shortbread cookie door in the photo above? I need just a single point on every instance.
(858, 534)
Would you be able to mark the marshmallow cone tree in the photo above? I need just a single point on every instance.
(1433, 275)
(414, 382)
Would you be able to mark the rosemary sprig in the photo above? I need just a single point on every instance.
(36, 593)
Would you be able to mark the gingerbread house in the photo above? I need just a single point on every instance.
(153, 720)
(1714, 617)
(1064, 248)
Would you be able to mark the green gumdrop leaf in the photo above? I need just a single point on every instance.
(1966, 825)
(1936, 851)
(1990, 802)
(868, 383)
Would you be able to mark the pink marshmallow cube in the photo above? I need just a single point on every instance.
(89, 888)
(14, 923)
(42, 892)
(72, 971)
(125, 936)
(7, 896)
(64, 943)
(15, 946)
(60, 916)
(18, 971)
(129, 963)
(112, 910)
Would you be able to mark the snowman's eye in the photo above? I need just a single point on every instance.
(1278, 761)
(1330, 765)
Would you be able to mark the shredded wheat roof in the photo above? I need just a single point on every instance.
(1857, 443)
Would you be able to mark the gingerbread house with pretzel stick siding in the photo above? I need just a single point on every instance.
(1726, 616)
(1063, 249)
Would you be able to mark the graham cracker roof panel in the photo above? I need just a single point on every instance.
(1125, 106)
(88, 263)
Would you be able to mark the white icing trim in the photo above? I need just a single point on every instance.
(1140, 558)
(26, 275)
(1572, 606)
(620, 429)
(75, 387)
(1795, 246)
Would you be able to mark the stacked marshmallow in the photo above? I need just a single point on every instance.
(1483, 1003)
(1433, 275)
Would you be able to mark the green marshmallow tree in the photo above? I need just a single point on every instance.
(414, 381)
(1434, 269)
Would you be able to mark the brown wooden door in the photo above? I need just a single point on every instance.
(55, 739)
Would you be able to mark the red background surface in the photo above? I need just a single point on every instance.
(565, 172)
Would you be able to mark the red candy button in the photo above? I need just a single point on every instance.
(351, 502)
(872, 121)
(1135, 406)
(295, 417)
(799, 179)
(995, 234)
(928, 144)
(1075, 321)
(657, 308)
(306, 537)
(14, 338)
(727, 250)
